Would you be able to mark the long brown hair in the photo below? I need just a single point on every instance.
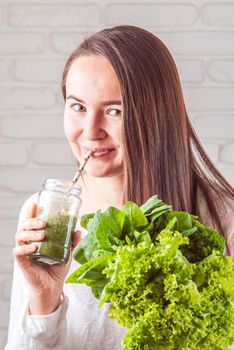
(162, 153)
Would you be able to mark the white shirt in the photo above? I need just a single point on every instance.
(77, 324)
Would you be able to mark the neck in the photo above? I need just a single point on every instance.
(101, 193)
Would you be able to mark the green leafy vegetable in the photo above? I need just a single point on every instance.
(202, 242)
(164, 273)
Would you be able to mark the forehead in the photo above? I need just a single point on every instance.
(92, 73)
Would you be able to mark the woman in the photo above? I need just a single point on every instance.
(123, 100)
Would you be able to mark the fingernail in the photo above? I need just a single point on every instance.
(34, 247)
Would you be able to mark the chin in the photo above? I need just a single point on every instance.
(103, 173)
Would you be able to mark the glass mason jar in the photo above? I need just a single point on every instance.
(58, 205)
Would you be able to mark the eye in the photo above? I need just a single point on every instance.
(77, 107)
(114, 112)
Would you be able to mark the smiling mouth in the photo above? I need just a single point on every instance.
(96, 153)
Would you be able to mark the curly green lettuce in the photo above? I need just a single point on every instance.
(167, 302)
(164, 273)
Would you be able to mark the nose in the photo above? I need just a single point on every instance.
(94, 128)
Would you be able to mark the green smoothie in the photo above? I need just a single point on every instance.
(57, 241)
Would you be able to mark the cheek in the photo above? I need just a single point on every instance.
(71, 131)
(115, 131)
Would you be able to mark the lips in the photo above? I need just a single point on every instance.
(101, 152)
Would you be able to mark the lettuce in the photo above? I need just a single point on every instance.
(164, 274)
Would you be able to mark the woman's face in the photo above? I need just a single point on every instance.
(93, 115)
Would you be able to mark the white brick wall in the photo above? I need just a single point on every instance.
(26, 98)
(35, 38)
(21, 126)
(23, 43)
(157, 15)
(218, 15)
(13, 154)
(53, 16)
(3, 71)
(37, 70)
(221, 71)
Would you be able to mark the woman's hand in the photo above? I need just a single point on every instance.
(45, 282)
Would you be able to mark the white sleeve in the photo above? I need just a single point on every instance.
(33, 332)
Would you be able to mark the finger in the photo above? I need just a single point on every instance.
(32, 224)
(24, 250)
(76, 238)
(22, 237)
(32, 210)
(20, 252)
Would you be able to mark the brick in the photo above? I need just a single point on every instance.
(53, 16)
(65, 43)
(8, 230)
(209, 98)
(199, 43)
(6, 256)
(11, 199)
(10, 205)
(221, 71)
(227, 153)
(1, 14)
(212, 150)
(218, 15)
(13, 154)
(31, 179)
(60, 99)
(3, 71)
(36, 126)
(3, 336)
(5, 289)
(36, 1)
(5, 313)
(26, 98)
(3, 193)
(191, 71)
(41, 71)
(217, 126)
(152, 15)
(56, 153)
(21, 43)
(9, 213)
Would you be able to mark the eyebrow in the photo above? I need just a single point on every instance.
(104, 103)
